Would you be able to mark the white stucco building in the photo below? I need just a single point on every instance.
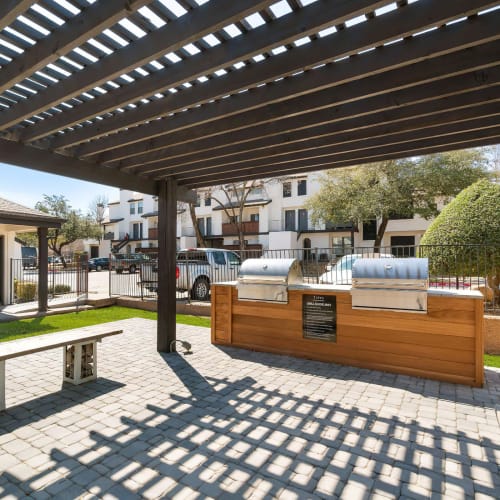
(274, 217)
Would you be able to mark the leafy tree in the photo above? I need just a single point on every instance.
(76, 225)
(465, 224)
(404, 187)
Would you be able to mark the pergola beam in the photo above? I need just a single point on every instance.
(370, 34)
(346, 139)
(467, 140)
(410, 117)
(303, 22)
(431, 77)
(20, 155)
(173, 36)
(357, 144)
(76, 31)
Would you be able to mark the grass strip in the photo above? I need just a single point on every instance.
(58, 322)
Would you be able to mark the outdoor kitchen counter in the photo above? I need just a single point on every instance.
(444, 343)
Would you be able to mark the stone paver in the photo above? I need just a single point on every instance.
(225, 422)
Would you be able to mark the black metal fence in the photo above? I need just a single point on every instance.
(66, 280)
(454, 267)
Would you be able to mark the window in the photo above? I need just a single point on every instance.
(302, 219)
(219, 258)
(208, 200)
(234, 219)
(137, 231)
(287, 189)
(132, 208)
(403, 246)
(209, 226)
(370, 230)
(396, 216)
(197, 204)
(139, 207)
(289, 220)
(233, 259)
(302, 187)
(254, 217)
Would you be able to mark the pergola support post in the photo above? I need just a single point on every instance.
(167, 236)
(43, 269)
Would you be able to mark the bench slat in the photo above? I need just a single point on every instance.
(30, 345)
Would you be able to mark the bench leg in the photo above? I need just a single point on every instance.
(2, 385)
(80, 363)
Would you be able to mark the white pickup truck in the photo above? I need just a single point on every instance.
(196, 269)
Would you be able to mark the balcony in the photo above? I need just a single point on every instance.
(230, 229)
(152, 233)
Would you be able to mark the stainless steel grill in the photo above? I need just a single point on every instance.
(396, 284)
(267, 280)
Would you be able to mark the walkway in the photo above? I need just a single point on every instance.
(233, 423)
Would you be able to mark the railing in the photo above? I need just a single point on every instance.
(153, 233)
(462, 267)
(230, 229)
(63, 282)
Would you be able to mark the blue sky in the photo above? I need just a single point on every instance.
(27, 186)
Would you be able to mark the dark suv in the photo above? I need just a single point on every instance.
(98, 264)
(127, 262)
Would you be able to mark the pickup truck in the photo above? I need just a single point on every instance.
(196, 269)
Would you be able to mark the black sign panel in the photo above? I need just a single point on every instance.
(319, 317)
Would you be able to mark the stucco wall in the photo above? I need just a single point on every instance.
(492, 334)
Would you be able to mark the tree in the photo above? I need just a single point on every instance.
(404, 187)
(97, 210)
(76, 225)
(467, 223)
(232, 199)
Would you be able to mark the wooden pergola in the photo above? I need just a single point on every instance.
(163, 96)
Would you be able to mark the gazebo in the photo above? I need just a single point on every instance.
(163, 96)
(18, 218)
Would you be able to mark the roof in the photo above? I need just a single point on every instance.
(132, 93)
(249, 203)
(113, 221)
(14, 213)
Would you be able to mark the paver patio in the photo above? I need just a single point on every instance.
(233, 423)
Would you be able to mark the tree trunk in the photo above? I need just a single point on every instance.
(241, 236)
(380, 234)
(200, 241)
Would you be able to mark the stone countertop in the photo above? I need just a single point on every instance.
(439, 292)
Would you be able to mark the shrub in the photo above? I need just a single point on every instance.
(59, 289)
(25, 291)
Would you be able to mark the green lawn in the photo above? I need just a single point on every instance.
(47, 324)
(491, 360)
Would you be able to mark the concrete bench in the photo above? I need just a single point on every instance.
(79, 352)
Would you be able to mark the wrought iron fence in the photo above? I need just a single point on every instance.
(462, 267)
(66, 280)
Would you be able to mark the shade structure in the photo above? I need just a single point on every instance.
(132, 92)
(163, 96)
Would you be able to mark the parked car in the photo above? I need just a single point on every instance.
(341, 272)
(98, 264)
(127, 262)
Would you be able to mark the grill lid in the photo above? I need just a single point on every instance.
(405, 273)
(270, 271)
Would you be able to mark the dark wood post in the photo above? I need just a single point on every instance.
(43, 269)
(167, 236)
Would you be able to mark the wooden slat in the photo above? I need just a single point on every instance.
(76, 31)
(173, 36)
(316, 137)
(408, 117)
(308, 20)
(428, 146)
(387, 58)
(479, 344)
(11, 9)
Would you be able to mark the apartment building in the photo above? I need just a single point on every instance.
(274, 217)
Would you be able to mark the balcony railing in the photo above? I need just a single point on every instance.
(230, 229)
(153, 233)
